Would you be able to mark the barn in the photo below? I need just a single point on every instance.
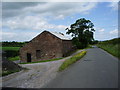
(47, 45)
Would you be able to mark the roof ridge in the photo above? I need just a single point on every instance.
(59, 35)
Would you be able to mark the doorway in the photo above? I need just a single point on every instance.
(38, 54)
(28, 57)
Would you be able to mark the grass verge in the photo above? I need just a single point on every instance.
(111, 48)
(42, 61)
(72, 60)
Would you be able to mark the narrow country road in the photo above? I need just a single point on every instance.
(97, 69)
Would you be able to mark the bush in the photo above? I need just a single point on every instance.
(79, 45)
(11, 53)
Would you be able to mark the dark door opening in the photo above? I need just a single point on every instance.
(28, 57)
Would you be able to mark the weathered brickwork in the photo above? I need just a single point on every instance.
(45, 46)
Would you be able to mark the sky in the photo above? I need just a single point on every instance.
(22, 21)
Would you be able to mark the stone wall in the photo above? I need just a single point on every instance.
(47, 45)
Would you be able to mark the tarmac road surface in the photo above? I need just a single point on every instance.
(97, 69)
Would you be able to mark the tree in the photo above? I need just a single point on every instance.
(82, 32)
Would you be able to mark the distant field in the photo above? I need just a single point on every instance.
(10, 48)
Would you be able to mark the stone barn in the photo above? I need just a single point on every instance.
(47, 45)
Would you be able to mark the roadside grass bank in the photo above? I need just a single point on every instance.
(72, 60)
(42, 61)
(111, 48)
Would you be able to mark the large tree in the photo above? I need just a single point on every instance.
(82, 32)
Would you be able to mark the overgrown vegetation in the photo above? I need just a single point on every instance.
(111, 46)
(11, 54)
(42, 61)
(11, 49)
(14, 58)
(72, 60)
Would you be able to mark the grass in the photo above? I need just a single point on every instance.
(10, 48)
(72, 60)
(111, 48)
(42, 61)
(14, 58)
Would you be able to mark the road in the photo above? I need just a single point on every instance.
(97, 69)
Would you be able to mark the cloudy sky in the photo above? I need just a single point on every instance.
(21, 21)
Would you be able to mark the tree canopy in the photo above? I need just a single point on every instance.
(82, 32)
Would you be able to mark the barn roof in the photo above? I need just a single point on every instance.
(60, 35)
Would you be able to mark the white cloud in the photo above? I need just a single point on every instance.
(113, 5)
(101, 30)
(31, 23)
(18, 36)
(8, 35)
(55, 9)
(114, 32)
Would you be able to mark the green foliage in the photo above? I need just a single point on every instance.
(11, 53)
(72, 60)
(94, 42)
(82, 32)
(112, 41)
(76, 42)
(42, 61)
(14, 58)
(111, 46)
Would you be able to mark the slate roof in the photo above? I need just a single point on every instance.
(59, 35)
